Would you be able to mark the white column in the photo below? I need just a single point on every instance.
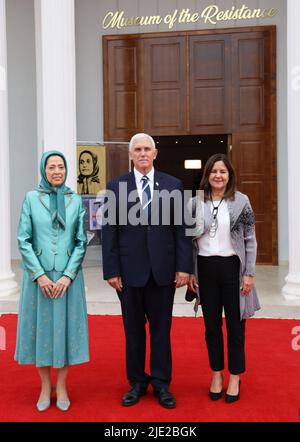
(56, 82)
(8, 285)
(292, 288)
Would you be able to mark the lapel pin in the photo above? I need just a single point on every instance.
(157, 184)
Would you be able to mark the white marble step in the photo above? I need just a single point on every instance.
(102, 299)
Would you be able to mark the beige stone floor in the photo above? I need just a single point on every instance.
(102, 299)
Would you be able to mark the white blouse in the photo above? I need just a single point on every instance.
(220, 244)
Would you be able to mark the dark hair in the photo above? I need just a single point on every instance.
(205, 185)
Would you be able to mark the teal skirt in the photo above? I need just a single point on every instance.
(52, 332)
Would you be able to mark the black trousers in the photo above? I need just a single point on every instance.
(155, 304)
(219, 286)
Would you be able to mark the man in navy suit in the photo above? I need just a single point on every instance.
(145, 262)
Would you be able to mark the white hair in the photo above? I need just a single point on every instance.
(138, 137)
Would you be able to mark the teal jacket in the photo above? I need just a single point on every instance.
(46, 247)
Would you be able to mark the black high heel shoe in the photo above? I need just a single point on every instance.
(215, 396)
(230, 398)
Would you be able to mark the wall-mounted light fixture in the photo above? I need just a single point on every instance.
(192, 164)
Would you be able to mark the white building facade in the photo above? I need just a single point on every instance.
(52, 95)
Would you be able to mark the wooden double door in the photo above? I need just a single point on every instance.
(201, 83)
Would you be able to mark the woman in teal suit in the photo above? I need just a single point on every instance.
(52, 324)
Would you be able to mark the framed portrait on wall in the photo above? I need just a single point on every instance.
(91, 170)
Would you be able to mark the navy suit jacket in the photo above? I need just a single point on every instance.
(133, 252)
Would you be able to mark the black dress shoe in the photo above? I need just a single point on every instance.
(133, 395)
(165, 398)
(230, 398)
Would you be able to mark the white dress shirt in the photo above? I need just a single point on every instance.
(139, 182)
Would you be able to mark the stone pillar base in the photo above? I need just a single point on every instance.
(8, 285)
(291, 290)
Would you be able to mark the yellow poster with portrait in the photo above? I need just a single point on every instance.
(91, 169)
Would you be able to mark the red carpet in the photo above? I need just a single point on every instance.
(270, 389)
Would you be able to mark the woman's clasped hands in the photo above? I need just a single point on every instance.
(52, 289)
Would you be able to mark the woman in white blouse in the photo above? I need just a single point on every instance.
(224, 265)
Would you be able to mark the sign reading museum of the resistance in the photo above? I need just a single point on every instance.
(211, 14)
